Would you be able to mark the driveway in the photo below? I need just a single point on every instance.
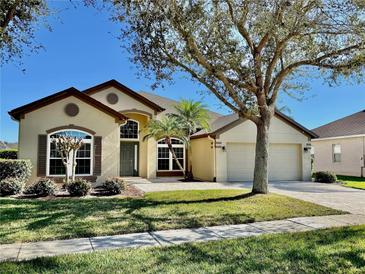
(334, 196)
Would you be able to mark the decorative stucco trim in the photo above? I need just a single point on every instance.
(70, 126)
(134, 110)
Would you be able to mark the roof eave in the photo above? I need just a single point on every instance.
(19, 112)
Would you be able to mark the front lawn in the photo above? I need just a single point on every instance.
(35, 220)
(351, 181)
(340, 250)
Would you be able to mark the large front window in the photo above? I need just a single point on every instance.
(165, 161)
(83, 155)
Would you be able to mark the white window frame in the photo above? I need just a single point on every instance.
(333, 153)
(171, 159)
(130, 139)
(86, 141)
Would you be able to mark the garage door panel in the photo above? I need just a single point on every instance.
(284, 162)
(240, 161)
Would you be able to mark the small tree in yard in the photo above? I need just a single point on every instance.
(193, 116)
(246, 51)
(67, 146)
(167, 128)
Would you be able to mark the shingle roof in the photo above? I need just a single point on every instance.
(219, 123)
(168, 104)
(353, 124)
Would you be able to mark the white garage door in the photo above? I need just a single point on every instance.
(284, 162)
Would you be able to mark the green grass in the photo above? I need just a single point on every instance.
(35, 220)
(351, 181)
(340, 250)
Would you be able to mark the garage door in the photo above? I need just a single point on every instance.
(284, 162)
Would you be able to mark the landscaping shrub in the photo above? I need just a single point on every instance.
(20, 169)
(44, 187)
(79, 187)
(325, 177)
(114, 185)
(8, 154)
(10, 186)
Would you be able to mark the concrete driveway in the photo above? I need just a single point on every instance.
(334, 196)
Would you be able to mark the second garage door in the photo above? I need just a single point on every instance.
(284, 162)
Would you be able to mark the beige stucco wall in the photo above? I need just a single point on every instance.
(280, 133)
(53, 115)
(352, 151)
(202, 158)
(148, 150)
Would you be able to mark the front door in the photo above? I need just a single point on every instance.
(129, 158)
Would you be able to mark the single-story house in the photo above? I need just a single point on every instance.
(111, 118)
(340, 147)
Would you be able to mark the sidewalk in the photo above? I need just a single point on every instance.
(26, 251)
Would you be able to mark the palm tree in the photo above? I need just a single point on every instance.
(193, 116)
(167, 128)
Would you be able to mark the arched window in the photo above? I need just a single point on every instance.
(130, 130)
(165, 161)
(84, 155)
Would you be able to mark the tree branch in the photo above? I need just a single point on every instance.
(9, 15)
(274, 87)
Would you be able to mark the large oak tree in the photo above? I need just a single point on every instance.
(246, 51)
(18, 21)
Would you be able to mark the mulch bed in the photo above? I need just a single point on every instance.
(96, 192)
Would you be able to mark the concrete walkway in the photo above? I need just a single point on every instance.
(26, 251)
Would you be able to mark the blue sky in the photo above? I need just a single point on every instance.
(82, 51)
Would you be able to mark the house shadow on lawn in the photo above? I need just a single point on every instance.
(36, 219)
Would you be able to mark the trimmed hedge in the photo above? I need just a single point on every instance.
(44, 187)
(20, 169)
(10, 186)
(114, 185)
(8, 154)
(79, 187)
(325, 177)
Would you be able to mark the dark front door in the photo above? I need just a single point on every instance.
(129, 159)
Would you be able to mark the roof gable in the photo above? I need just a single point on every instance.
(224, 123)
(19, 112)
(126, 90)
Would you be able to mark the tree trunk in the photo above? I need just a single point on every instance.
(260, 178)
(74, 163)
(189, 174)
(65, 163)
(168, 142)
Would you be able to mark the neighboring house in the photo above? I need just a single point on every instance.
(340, 147)
(111, 118)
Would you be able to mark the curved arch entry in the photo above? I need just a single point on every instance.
(129, 148)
